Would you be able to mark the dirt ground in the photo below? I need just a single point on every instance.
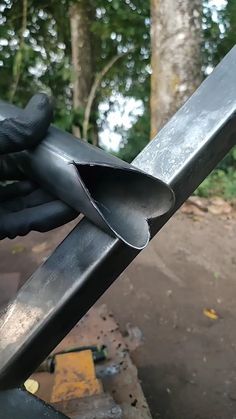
(187, 360)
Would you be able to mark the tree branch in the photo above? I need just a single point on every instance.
(19, 54)
(94, 89)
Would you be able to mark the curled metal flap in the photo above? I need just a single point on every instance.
(113, 194)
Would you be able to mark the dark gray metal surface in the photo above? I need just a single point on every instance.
(61, 291)
(116, 196)
(19, 404)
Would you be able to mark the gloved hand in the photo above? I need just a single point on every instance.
(23, 205)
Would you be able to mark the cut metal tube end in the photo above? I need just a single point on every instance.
(123, 200)
(114, 195)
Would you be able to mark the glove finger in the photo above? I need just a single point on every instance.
(16, 189)
(28, 129)
(8, 170)
(42, 218)
(34, 198)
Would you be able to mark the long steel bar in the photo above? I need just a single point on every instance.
(86, 263)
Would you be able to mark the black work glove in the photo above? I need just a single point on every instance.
(23, 205)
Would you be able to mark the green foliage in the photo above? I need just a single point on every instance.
(45, 60)
(127, 29)
(219, 183)
(41, 60)
(219, 31)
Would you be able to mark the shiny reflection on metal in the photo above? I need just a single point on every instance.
(86, 263)
(114, 195)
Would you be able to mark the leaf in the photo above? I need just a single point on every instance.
(115, 4)
(210, 313)
(17, 248)
(31, 385)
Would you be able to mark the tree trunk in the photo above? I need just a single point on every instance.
(81, 45)
(176, 37)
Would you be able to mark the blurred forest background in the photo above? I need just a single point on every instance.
(118, 69)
